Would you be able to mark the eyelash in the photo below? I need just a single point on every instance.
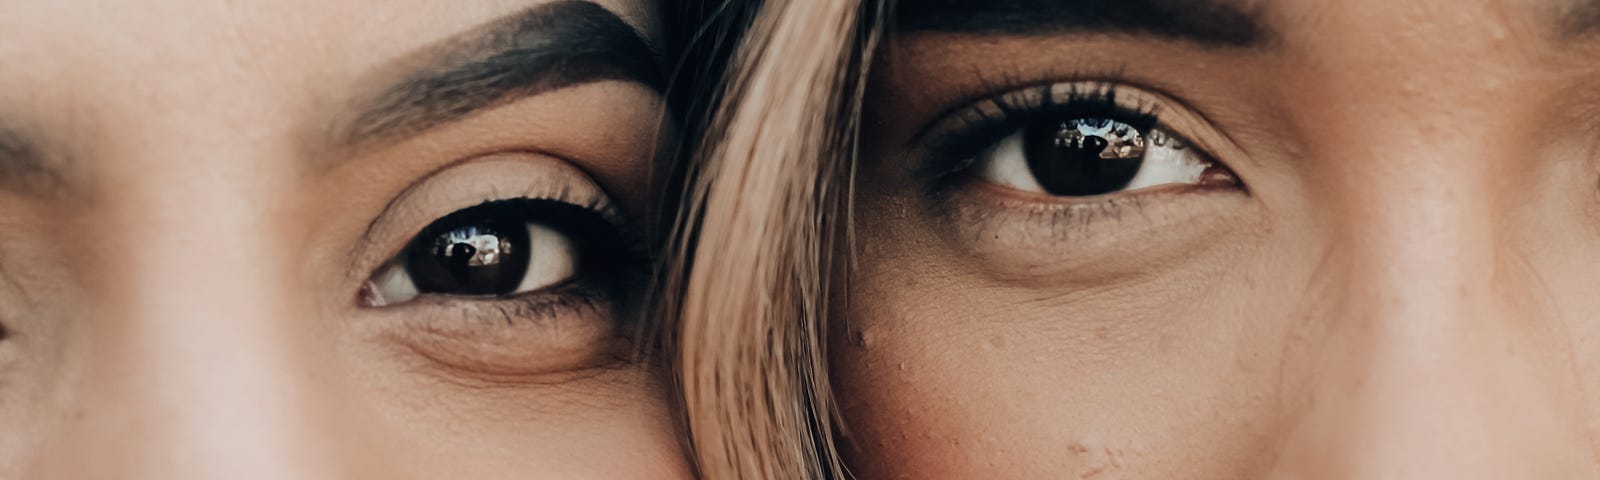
(955, 141)
(980, 126)
(610, 250)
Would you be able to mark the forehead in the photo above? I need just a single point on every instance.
(364, 32)
(96, 79)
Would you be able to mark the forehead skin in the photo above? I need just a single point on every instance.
(96, 83)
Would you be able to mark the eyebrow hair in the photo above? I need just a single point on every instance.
(25, 166)
(1578, 18)
(14, 148)
(546, 48)
(1205, 22)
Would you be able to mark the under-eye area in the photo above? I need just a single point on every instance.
(514, 265)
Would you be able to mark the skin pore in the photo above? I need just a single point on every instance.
(1381, 269)
(217, 218)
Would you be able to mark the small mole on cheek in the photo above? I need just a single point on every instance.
(861, 338)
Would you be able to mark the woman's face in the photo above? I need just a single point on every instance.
(1226, 239)
(312, 239)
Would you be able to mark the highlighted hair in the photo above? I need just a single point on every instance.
(765, 205)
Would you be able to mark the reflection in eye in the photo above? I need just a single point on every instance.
(1086, 156)
(501, 248)
(1072, 140)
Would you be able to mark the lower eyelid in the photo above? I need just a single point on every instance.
(1041, 217)
(513, 339)
(1023, 241)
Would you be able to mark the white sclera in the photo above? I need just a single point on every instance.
(1170, 163)
(552, 259)
(392, 286)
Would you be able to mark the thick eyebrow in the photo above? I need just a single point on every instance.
(545, 48)
(1578, 18)
(1205, 22)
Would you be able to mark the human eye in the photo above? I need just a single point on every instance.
(500, 249)
(513, 267)
(1076, 141)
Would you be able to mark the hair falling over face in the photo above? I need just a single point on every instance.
(766, 184)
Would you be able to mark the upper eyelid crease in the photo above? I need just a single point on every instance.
(601, 203)
(1021, 101)
(1008, 83)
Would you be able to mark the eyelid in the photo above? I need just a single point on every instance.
(1003, 113)
(517, 340)
(465, 184)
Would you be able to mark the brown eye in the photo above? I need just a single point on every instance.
(1083, 157)
(495, 249)
(1089, 156)
(485, 256)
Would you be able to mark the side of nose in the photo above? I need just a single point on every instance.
(1432, 363)
(197, 366)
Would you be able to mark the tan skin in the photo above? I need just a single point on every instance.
(1391, 278)
(189, 245)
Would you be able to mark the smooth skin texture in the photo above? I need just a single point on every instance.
(1401, 288)
(185, 232)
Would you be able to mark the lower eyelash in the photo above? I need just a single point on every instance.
(1069, 221)
(1066, 221)
(581, 301)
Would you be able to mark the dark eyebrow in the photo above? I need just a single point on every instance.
(14, 148)
(1205, 22)
(24, 166)
(1578, 18)
(545, 48)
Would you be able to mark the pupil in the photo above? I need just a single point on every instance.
(1084, 156)
(475, 257)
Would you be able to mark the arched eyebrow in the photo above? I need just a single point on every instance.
(546, 48)
(1221, 23)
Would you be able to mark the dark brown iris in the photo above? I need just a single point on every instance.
(1083, 157)
(469, 255)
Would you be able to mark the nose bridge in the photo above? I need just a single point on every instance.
(1429, 365)
(199, 370)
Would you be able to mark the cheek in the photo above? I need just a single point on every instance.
(941, 373)
(613, 424)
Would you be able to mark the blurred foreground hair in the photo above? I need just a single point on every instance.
(765, 201)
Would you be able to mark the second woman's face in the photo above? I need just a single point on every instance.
(328, 239)
(1224, 239)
